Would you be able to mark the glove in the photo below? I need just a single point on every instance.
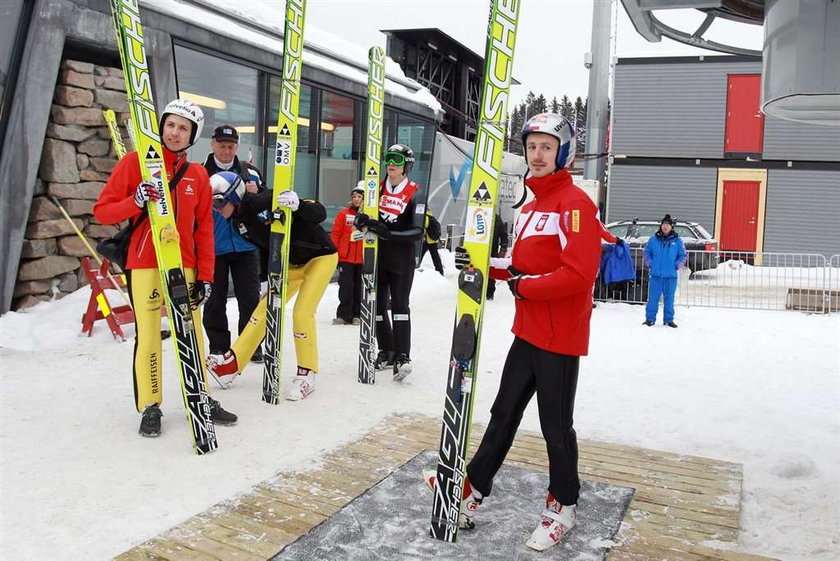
(462, 257)
(289, 199)
(513, 285)
(200, 293)
(378, 228)
(146, 192)
(361, 220)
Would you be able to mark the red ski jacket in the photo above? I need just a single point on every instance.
(348, 251)
(557, 250)
(192, 202)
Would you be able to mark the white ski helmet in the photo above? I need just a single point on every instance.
(560, 128)
(189, 111)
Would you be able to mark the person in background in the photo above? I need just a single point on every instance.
(348, 239)
(236, 257)
(664, 255)
(498, 249)
(397, 233)
(312, 260)
(125, 197)
(431, 240)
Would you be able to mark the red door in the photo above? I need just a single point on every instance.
(744, 120)
(739, 223)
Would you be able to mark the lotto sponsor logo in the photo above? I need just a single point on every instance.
(478, 226)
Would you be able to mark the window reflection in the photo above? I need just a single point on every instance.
(306, 180)
(339, 162)
(226, 92)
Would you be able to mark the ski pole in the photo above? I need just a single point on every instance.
(91, 250)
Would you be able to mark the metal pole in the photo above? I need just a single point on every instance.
(596, 110)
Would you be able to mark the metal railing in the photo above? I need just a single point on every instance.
(726, 279)
(748, 280)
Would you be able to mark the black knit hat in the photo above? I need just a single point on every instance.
(668, 219)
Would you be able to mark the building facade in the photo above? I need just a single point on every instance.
(60, 67)
(688, 138)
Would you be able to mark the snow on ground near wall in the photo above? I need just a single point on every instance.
(758, 388)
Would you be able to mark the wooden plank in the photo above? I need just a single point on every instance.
(201, 539)
(288, 498)
(685, 514)
(172, 551)
(250, 545)
(253, 529)
(138, 554)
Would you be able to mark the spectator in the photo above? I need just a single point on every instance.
(431, 240)
(348, 239)
(664, 255)
(498, 249)
(236, 257)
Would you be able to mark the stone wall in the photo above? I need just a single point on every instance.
(77, 159)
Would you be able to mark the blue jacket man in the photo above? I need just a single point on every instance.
(664, 255)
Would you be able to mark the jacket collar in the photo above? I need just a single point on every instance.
(551, 184)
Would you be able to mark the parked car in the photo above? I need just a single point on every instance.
(701, 247)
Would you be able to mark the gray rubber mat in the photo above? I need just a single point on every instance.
(390, 521)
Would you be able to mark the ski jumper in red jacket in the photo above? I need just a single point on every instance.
(551, 272)
(192, 200)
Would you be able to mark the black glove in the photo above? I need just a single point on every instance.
(462, 257)
(378, 228)
(361, 220)
(513, 285)
(200, 293)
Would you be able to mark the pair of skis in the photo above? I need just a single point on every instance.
(472, 281)
(165, 237)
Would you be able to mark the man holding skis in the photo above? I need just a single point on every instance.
(124, 198)
(551, 272)
(397, 230)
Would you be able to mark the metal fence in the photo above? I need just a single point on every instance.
(748, 280)
(726, 279)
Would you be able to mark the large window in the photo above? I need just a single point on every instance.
(306, 179)
(339, 163)
(330, 152)
(227, 93)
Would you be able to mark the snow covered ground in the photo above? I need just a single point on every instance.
(758, 388)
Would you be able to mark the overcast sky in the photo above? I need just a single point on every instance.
(552, 39)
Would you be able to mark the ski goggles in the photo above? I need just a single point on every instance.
(394, 159)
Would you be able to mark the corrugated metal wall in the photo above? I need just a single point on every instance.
(786, 140)
(803, 212)
(673, 110)
(648, 192)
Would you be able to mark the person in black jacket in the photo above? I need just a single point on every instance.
(398, 229)
(498, 249)
(235, 256)
(312, 260)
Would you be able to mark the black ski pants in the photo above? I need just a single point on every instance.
(432, 248)
(349, 291)
(554, 379)
(244, 267)
(397, 285)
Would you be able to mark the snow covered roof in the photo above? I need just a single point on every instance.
(260, 24)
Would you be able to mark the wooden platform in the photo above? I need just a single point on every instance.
(680, 501)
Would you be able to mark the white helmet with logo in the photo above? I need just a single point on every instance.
(189, 111)
(560, 128)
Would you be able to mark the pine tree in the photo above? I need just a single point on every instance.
(555, 105)
(540, 105)
(517, 121)
(566, 107)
